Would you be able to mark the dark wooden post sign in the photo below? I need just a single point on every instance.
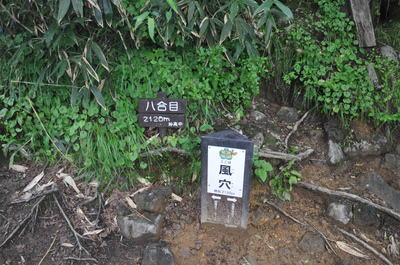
(226, 163)
(162, 112)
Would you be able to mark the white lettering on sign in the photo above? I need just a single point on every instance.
(173, 106)
(148, 105)
(162, 106)
(225, 172)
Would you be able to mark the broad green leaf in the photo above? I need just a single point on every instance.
(251, 3)
(262, 174)
(297, 174)
(90, 69)
(226, 30)
(284, 9)
(98, 16)
(108, 12)
(63, 67)
(71, 34)
(63, 9)
(270, 23)
(251, 50)
(264, 6)
(150, 24)
(78, 7)
(168, 15)
(205, 127)
(96, 48)
(191, 11)
(3, 113)
(173, 5)
(262, 20)
(203, 26)
(234, 10)
(133, 156)
(98, 96)
(140, 19)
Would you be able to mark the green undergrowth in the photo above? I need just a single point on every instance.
(106, 142)
(331, 70)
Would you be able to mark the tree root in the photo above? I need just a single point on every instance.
(283, 156)
(295, 128)
(34, 208)
(366, 246)
(348, 196)
(76, 234)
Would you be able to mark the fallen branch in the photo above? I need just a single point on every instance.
(81, 259)
(283, 156)
(348, 196)
(23, 221)
(366, 246)
(44, 193)
(76, 234)
(295, 128)
(48, 250)
(285, 213)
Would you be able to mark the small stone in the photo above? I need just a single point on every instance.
(335, 153)
(312, 242)
(122, 210)
(339, 210)
(139, 229)
(154, 200)
(258, 116)
(287, 114)
(388, 51)
(158, 254)
(258, 140)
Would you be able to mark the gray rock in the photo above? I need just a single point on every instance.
(339, 210)
(312, 242)
(373, 76)
(390, 52)
(258, 140)
(154, 200)
(374, 147)
(393, 160)
(365, 215)
(140, 229)
(283, 252)
(377, 185)
(258, 116)
(397, 149)
(122, 210)
(335, 153)
(334, 130)
(158, 254)
(287, 114)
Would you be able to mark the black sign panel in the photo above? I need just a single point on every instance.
(162, 120)
(161, 105)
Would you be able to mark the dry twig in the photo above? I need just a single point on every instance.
(76, 234)
(34, 208)
(295, 128)
(52, 243)
(283, 156)
(366, 246)
(81, 259)
(285, 213)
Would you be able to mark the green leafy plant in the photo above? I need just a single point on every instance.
(262, 168)
(243, 23)
(281, 184)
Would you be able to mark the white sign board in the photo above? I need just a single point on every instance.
(225, 171)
